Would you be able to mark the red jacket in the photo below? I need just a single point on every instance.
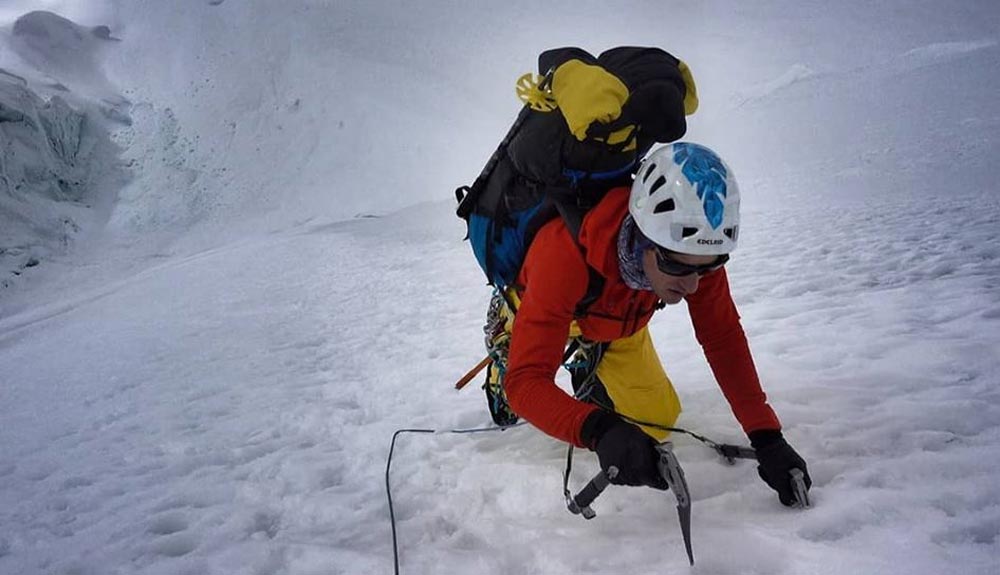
(552, 282)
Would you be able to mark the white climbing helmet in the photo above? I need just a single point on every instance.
(685, 198)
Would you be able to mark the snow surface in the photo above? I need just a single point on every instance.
(206, 376)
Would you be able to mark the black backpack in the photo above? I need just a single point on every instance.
(585, 125)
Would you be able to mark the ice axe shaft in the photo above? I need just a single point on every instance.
(580, 503)
(473, 372)
(733, 452)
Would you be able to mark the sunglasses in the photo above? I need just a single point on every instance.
(672, 267)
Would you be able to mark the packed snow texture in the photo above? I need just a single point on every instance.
(210, 382)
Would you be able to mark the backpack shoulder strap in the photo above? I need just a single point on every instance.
(595, 287)
(572, 216)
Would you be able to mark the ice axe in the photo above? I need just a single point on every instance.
(798, 479)
(672, 473)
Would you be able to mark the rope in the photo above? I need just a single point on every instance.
(728, 451)
(388, 491)
(388, 468)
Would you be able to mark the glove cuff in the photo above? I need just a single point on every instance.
(596, 425)
(764, 438)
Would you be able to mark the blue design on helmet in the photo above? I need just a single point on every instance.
(707, 173)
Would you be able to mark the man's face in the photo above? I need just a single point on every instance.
(672, 288)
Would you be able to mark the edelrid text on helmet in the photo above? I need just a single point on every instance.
(685, 198)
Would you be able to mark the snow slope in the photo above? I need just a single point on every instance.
(221, 399)
(241, 424)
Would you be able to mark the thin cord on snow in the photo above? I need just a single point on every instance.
(388, 491)
(388, 467)
(392, 446)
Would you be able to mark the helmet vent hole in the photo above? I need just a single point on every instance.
(649, 172)
(729, 232)
(659, 183)
(665, 206)
(688, 232)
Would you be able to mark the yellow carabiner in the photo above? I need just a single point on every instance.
(530, 93)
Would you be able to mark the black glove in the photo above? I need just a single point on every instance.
(775, 460)
(625, 446)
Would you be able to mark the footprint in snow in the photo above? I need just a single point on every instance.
(330, 477)
(172, 536)
(265, 523)
(76, 483)
(168, 524)
(41, 472)
(177, 545)
(981, 532)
